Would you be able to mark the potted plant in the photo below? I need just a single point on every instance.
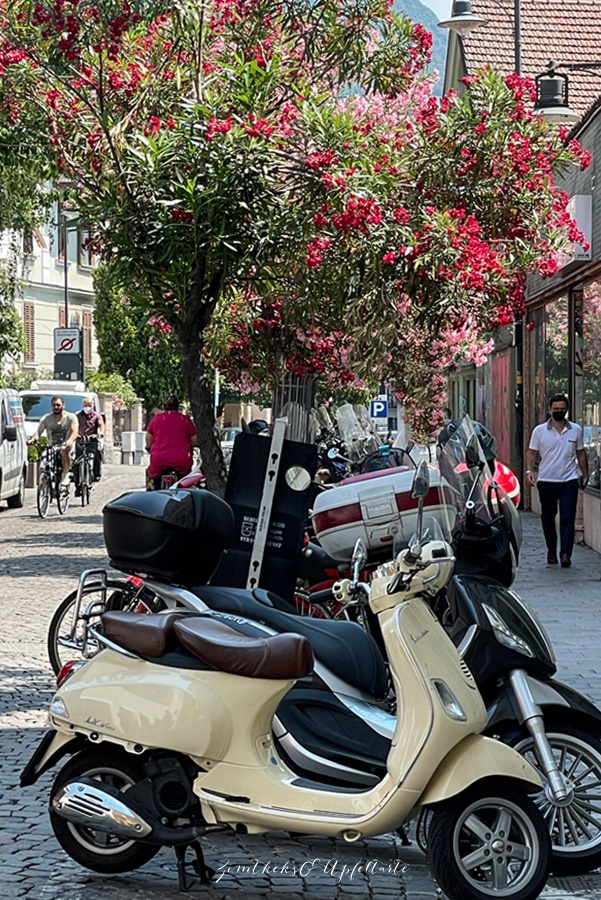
(33, 461)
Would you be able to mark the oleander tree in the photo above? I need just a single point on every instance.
(25, 167)
(235, 151)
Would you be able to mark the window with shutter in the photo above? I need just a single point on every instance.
(27, 241)
(29, 326)
(87, 336)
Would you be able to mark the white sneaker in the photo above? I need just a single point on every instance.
(66, 479)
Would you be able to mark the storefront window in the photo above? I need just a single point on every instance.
(536, 329)
(588, 367)
(556, 349)
(548, 329)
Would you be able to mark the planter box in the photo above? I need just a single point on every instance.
(33, 472)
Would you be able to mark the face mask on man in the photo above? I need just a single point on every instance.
(559, 414)
(88, 410)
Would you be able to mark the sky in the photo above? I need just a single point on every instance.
(442, 8)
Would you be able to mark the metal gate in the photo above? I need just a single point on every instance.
(294, 398)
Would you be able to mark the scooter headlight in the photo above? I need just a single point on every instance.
(58, 708)
(504, 634)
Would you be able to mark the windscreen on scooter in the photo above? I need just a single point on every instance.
(485, 538)
(356, 436)
(459, 481)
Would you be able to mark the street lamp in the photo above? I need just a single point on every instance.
(552, 91)
(463, 20)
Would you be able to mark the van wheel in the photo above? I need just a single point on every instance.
(17, 500)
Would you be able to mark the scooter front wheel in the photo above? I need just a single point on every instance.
(490, 841)
(574, 825)
(96, 850)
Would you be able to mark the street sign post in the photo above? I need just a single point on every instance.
(378, 409)
(68, 354)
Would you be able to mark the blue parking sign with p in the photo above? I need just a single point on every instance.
(378, 409)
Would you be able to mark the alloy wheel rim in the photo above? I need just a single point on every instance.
(496, 846)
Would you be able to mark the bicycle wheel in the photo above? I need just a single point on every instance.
(84, 482)
(120, 595)
(43, 495)
(63, 494)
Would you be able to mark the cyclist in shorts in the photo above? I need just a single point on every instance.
(62, 431)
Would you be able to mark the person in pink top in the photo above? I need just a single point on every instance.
(170, 437)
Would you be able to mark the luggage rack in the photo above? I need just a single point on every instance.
(91, 581)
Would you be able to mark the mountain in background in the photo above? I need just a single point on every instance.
(417, 12)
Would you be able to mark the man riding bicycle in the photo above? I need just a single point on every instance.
(62, 431)
(90, 425)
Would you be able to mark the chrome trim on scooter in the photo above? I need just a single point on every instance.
(468, 637)
(311, 762)
(102, 639)
(176, 596)
(378, 720)
(91, 807)
(531, 716)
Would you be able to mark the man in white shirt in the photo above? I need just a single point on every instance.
(560, 446)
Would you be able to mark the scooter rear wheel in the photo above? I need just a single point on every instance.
(488, 842)
(100, 851)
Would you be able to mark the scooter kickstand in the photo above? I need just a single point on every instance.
(200, 869)
(402, 833)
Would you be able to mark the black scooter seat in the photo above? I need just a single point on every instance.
(342, 647)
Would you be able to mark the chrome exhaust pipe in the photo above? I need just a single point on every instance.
(92, 807)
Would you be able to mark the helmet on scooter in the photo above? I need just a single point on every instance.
(255, 426)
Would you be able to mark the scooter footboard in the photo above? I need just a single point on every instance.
(474, 758)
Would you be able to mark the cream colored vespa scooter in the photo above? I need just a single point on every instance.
(171, 729)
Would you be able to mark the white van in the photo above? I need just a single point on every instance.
(13, 449)
(37, 400)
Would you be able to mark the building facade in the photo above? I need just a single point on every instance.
(563, 326)
(552, 349)
(54, 269)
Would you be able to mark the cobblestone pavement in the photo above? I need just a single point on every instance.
(39, 565)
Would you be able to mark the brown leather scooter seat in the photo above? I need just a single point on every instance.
(148, 635)
(219, 646)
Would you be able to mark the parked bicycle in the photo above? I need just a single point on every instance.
(83, 466)
(49, 483)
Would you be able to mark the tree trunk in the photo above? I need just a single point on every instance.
(201, 400)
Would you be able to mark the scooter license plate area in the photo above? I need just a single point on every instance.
(29, 775)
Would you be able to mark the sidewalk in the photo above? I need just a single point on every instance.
(568, 602)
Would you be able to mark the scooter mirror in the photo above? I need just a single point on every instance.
(297, 478)
(472, 452)
(358, 559)
(421, 481)
(332, 453)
